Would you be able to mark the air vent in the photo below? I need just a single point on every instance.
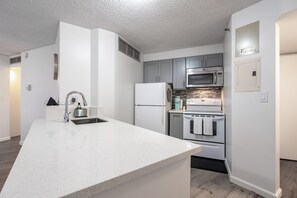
(128, 50)
(15, 60)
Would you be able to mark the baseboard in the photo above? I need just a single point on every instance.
(252, 187)
(228, 168)
(4, 139)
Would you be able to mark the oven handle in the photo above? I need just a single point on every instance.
(217, 119)
(189, 117)
(214, 119)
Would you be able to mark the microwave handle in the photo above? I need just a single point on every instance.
(215, 78)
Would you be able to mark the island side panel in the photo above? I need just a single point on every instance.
(170, 181)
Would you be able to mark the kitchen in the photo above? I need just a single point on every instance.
(198, 81)
(108, 77)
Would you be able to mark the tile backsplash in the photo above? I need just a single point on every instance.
(196, 93)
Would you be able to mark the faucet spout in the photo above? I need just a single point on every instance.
(66, 114)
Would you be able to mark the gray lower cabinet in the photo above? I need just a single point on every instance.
(179, 74)
(158, 71)
(176, 125)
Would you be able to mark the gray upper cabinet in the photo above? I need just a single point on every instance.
(151, 72)
(210, 60)
(165, 71)
(179, 73)
(174, 71)
(213, 60)
(158, 71)
(196, 61)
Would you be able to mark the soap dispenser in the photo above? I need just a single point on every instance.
(177, 103)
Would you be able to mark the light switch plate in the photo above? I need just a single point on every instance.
(264, 96)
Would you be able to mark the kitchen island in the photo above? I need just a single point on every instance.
(110, 159)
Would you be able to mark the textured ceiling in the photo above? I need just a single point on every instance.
(288, 33)
(149, 25)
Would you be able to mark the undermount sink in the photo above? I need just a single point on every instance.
(88, 121)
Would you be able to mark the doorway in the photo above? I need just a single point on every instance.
(288, 102)
(15, 101)
(288, 82)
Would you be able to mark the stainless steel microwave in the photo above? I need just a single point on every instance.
(205, 77)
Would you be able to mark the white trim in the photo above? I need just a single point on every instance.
(4, 139)
(251, 186)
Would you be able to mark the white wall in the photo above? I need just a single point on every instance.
(4, 98)
(194, 51)
(288, 107)
(94, 66)
(117, 74)
(38, 71)
(254, 136)
(75, 60)
(128, 72)
(15, 101)
(227, 94)
(106, 72)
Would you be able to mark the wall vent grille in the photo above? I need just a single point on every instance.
(128, 50)
(15, 60)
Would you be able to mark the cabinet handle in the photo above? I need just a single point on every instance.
(156, 78)
(176, 115)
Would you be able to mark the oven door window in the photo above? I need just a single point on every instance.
(201, 79)
(214, 127)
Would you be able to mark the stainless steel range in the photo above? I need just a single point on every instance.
(204, 124)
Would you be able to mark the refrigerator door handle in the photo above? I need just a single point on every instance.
(165, 108)
(163, 117)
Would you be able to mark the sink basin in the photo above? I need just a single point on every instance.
(88, 121)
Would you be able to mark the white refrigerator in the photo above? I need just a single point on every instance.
(152, 103)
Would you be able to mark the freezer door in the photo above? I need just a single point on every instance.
(150, 94)
(151, 117)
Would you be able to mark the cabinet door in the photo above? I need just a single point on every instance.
(176, 125)
(179, 73)
(165, 71)
(151, 72)
(213, 60)
(196, 61)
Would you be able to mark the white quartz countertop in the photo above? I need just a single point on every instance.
(59, 159)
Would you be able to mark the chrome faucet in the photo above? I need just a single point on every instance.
(66, 114)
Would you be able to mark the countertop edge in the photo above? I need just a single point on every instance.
(106, 185)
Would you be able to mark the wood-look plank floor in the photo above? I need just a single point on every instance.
(288, 178)
(8, 153)
(204, 184)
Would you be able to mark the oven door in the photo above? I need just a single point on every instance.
(201, 78)
(218, 127)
